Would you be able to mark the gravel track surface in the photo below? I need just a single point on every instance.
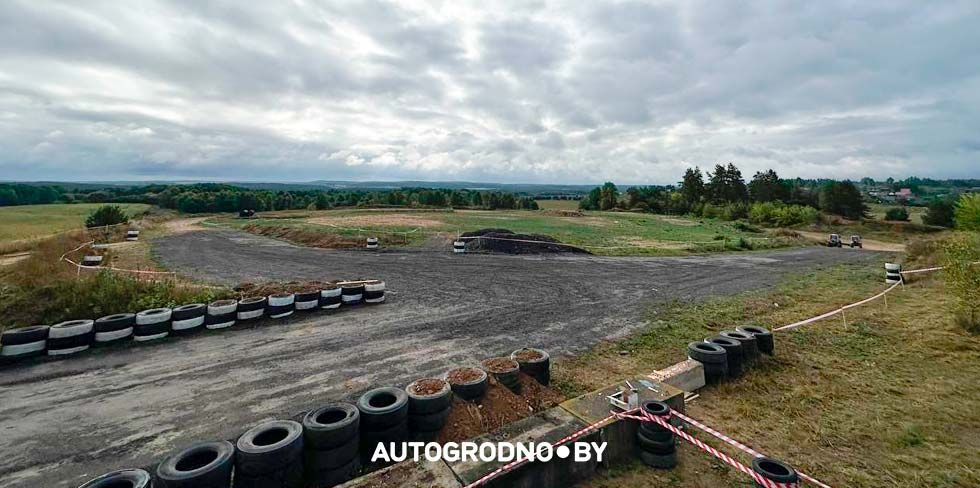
(63, 422)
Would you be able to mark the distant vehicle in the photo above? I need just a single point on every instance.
(245, 214)
(835, 241)
(856, 242)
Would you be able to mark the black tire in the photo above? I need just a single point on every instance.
(715, 373)
(189, 311)
(428, 422)
(656, 408)
(318, 460)
(115, 323)
(424, 435)
(151, 330)
(471, 391)
(652, 446)
(733, 352)
(762, 336)
(655, 432)
(774, 470)
(330, 426)
(658, 461)
(129, 478)
(24, 335)
(423, 404)
(539, 369)
(750, 346)
(508, 377)
(268, 448)
(706, 353)
(307, 301)
(70, 337)
(370, 439)
(202, 465)
(251, 304)
(382, 408)
(334, 477)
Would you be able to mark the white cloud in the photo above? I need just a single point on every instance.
(509, 91)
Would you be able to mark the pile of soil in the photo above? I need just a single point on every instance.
(427, 386)
(506, 241)
(527, 355)
(500, 365)
(462, 376)
(266, 289)
(324, 240)
(498, 408)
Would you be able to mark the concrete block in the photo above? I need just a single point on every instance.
(620, 436)
(547, 426)
(408, 474)
(686, 375)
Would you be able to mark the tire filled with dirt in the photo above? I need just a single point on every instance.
(506, 371)
(470, 384)
(429, 405)
(535, 363)
(331, 438)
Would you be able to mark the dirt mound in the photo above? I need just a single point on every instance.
(499, 407)
(563, 213)
(319, 239)
(506, 241)
(266, 289)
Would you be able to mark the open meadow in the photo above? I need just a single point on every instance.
(28, 222)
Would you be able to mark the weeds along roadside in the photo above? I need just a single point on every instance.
(44, 290)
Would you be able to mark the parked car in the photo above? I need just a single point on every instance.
(856, 242)
(835, 241)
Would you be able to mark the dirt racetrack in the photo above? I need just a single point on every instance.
(63, 422)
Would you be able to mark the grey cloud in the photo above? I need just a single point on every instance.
(538, 91)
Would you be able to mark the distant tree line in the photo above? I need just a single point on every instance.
(21, 194)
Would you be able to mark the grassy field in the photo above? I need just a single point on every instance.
(34, 221)
(606, 233)
(877, 210)
(889, 399)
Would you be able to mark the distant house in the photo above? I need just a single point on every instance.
(904, 194)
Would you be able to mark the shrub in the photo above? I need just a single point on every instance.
(897, 213)
(940, 213)
(777, 214)
(106, 215)
(962, 276)
(968, 212)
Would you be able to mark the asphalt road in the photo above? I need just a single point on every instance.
(63, 422)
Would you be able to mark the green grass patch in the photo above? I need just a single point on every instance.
(34, 221)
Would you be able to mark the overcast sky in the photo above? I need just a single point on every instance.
(549, 92)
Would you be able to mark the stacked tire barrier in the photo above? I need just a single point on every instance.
(374, 291)
(74, 336)
(656, 445)
(505, 371)
(221, 314)
(330, 298)
(270, 455)
(204, 465)
(372, 243)
(281, 305)
(70, 337)
(534, 363)
(187, 319)
(24, 342)
(132, 235)
(384, 418)
(731, 352)
(92, 261)
(331, 440)
(459, 247)
(114, 328)
(893, 273)
(152, 324)
(714, 359)
(307, 300)
(352, 294)
(470, 384)
(251, 308)
(430, 401)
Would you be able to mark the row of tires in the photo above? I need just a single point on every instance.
(75, 336)
(331, 444)
(657, 448)
(728, 354)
